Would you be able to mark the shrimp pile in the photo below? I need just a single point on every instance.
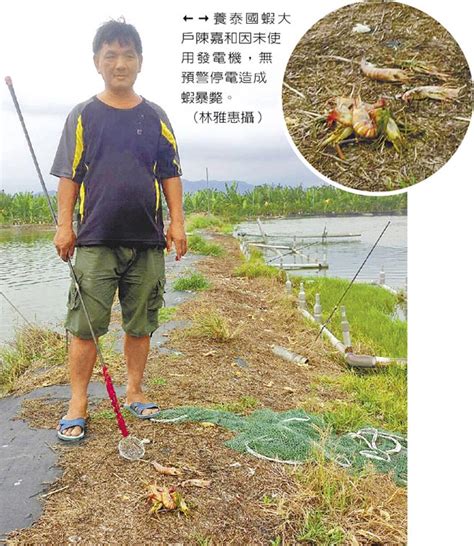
(370, 121)
(352, 115)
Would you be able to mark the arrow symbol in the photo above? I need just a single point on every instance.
(187, 18)
(205, 18)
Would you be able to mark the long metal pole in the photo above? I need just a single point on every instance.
(108, 379)
(352, 281)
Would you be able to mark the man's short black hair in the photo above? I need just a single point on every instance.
(120, 31)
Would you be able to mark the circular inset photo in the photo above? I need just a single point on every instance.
(377, 96)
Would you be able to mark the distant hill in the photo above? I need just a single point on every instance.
(191, 186)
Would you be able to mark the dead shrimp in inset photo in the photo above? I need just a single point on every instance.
(435, 92)
(395, 75)
(367, 121)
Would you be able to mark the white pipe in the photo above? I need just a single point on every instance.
(317, 310)
(289, 355)
(346, 334)
(360, 361)
(302, 297)
(332, 338)
(276, 247)
(376, 283)
(305, 266)
(388, 360)
(382, 276)
(389, 288)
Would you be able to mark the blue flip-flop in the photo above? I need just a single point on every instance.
(69, 423)
(137, 409)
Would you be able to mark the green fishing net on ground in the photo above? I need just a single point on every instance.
(291, 437)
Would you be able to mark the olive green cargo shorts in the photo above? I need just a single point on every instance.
(139, 276)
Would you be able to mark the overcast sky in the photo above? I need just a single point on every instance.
(47, 51)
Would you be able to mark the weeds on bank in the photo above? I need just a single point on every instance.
(339, 507)
(102, 414)
(242, 405)
(165, 314)
(192, 281)
(202, 540)
(211, 324)
(370, 311)
(376, 399)
(31, 344)
(255, 266)
(158, 381)
(208, 221)
(199, 245)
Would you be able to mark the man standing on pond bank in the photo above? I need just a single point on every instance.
(116, 152)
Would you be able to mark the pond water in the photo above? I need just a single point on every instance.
(345, 255)
(36, 281)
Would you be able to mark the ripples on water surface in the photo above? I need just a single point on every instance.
(344, 256)
(37, 281)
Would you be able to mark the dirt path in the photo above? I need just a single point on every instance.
(101, 497)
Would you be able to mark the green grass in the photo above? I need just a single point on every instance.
(192, 281)
(103, 414)
(347, 416)
(317, 531)
(268, 500)
(242, 405)
(331, 499)
(208, 221)
(202, 540)
(158, 381)
(165, 314)
(400, 182)
(211, 324)
(31, 344)
(330, 492)
(375, 399)
(255, 266)
(199, 245)
(369, 310)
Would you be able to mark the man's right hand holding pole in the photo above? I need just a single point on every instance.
(65, 238)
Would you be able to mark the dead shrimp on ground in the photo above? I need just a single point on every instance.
(395, 75)
(368, 121)
(436, 92)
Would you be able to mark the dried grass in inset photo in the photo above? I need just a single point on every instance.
(409, 127)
